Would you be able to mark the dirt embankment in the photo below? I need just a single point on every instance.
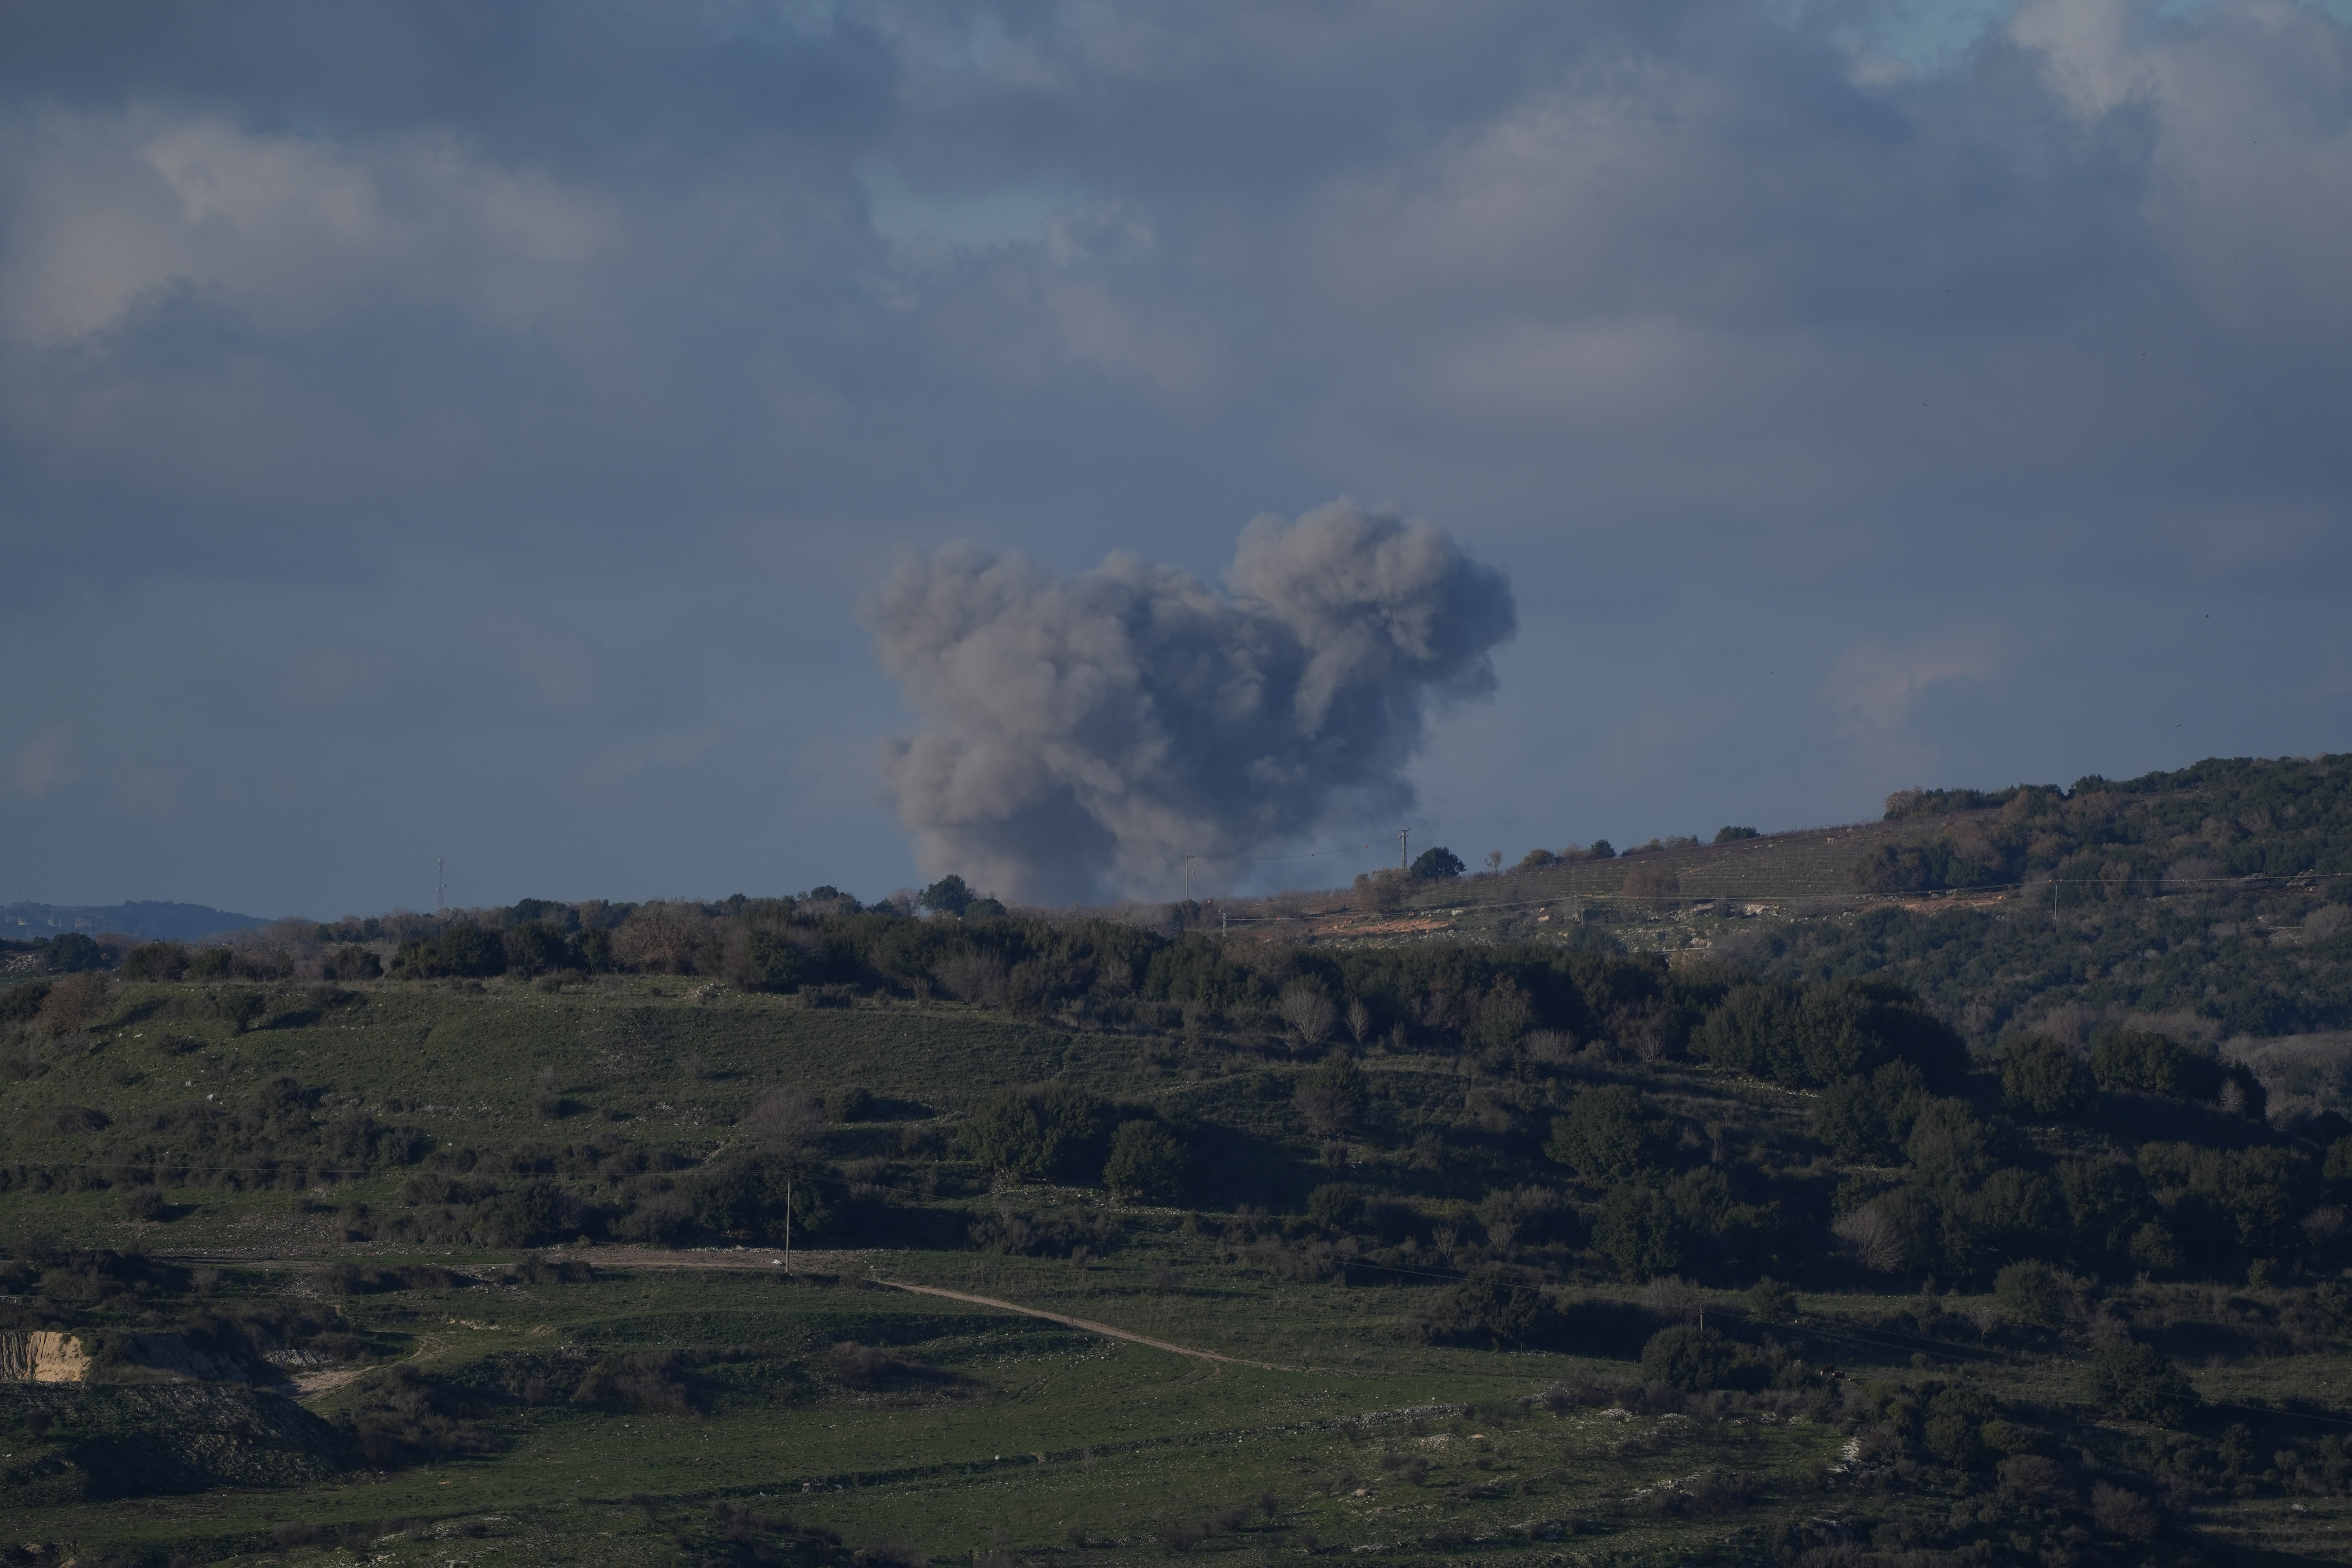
(42, 1355)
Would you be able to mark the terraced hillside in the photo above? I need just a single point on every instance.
(1934, 1221)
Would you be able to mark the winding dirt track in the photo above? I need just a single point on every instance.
(1086, 1325)
(762, 1259)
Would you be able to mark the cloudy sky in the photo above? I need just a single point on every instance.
(450, 429)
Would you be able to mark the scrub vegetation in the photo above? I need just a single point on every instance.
(1985, 1206)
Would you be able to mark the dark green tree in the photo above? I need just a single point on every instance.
(2155, 1064)
(2029, 1293)
(1694, 1360)
(1641, 1232)
(70, 953)
(1491, 1309)
(949, 896)
(2041, 1077)
(155, 961)
(1027, 1135)
(1437, 865)
(463, 950)
(773, 962)
(1148, 1164)
(1611, 1134)
(2137, 1382)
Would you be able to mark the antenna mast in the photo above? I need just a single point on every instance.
(440, 888)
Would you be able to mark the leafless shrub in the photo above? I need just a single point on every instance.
(1324, 1107)
(2124, 1513)
(76, 1002)
(977, 977)
(1875, 1239)
(1181, 1536)
(1381, 891)
(667, 938)
(1305, 1008)
(786, 1118)
(2034, 1478)
(1653, 887)
(1671, 1296)
(1549, 1046)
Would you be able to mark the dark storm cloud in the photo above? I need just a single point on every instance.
(1092, 730)
(542, 379)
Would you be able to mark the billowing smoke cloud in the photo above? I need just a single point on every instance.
(1091, 729)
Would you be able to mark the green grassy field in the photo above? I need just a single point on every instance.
(1068, 1444)
(995, 1433)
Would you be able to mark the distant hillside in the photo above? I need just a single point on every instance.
(143, 918)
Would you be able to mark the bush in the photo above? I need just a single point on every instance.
(21, 1003)
(1381, 891)
(1611, 1134)
(2029, 1293)
(71, 952)
(539, 947)
(1640, 1232)
(1031, 1134)
(1491, 1309)
(1694, 1360)
(463, 951)
(1733, 834)
(2136, 1381)
(353, 962)
(650, 1383)
(155, 961)
(1769, 1301)
(1870, 1119)
(402, 1417)
(2121, 1511)
(773, 961)
(2039, 1076)
(2155, 1064)
(1336, 1206)
(75, 1000)
(1330, 1098)
(1827, 1033)
(1146, 1163)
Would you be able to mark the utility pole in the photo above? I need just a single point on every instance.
(1187, 858)
(440, 888)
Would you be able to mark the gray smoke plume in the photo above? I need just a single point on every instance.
(1089, 731)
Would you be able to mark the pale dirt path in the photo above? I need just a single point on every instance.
(1086, 1325)
(763, 1260)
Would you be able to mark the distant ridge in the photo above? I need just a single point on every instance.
(144, 917)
